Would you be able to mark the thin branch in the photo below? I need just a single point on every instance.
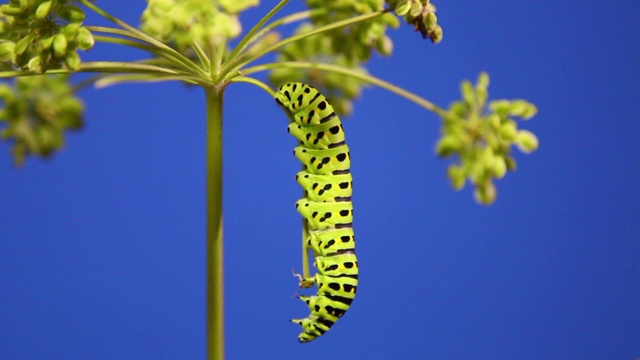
(255, 82)
(302, 15)
(247, 38)
(138, 78)
(350, 72)
(202, 55)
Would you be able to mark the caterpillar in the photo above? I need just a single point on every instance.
(326, 207)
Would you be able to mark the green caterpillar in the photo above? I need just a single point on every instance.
(326, 207)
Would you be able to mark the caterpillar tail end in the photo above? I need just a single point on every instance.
(304, 336)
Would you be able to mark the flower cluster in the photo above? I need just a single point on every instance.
(38, 35)
(481, 136)
(37, 111)
(184, 22)
(354, 42)
(340, 90)
(349, 47)
(422, 15)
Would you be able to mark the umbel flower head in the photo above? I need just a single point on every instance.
(185, 22)
(37, 110)
(481, 136)
(38, 35)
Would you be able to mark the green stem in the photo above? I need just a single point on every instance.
(284, 21)
(353, 73)
(112, 67)
(110, 80)
(113, 31)
(255, 82)
(215, 278)
(205, 62)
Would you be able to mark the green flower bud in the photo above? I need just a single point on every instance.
(501, 107)
(72, 13)
(23, 44)
(6, 50)
(483, 81)
(527, 141)
(70, 31)
(403, 8)
(72, 60)
(384, 45)
(390, 20)
(457, 176)
(485, 193)
(499, 167)
(430, 21)
(494, 121)
(449, 145)
(523, 109)
(34, 64)
(508, 131)
(416, 8)
(44, 139)
(468, 92)
(11, 10)
(487, 157)
(85, 39)
(436, 34)
(459, 109)
(59, 45)
(43, 9)
(46, 43)
(512, 165)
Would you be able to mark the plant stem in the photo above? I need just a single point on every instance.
(215, 278)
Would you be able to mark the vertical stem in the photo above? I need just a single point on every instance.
(215, 284)
(306, 273)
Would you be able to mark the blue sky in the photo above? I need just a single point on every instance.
(102, 247)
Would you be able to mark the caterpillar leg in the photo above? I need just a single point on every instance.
(305, 283)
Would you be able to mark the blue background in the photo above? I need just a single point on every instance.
(102, 248)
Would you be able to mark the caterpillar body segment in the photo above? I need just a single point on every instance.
(324, 162)
(325, 187)
(328, 135)
(326, 207)
(326, 215)
(326, 243)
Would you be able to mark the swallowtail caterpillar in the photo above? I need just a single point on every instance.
(326, 207)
